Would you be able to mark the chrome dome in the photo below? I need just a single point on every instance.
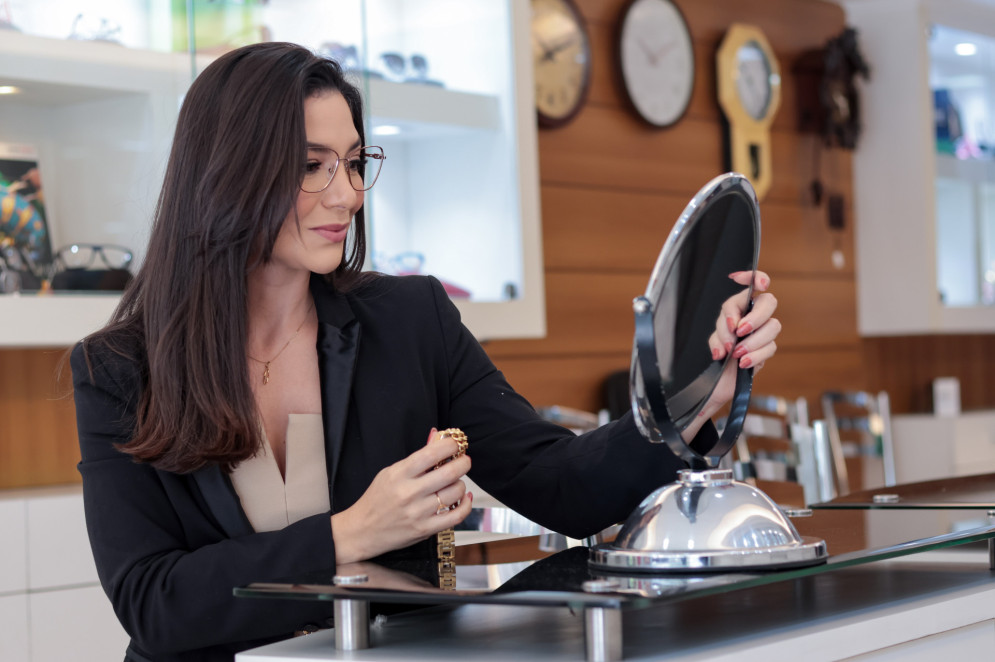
(707, 521)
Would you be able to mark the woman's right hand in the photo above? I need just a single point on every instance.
(402, 504)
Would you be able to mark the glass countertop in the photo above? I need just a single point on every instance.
(960, 493)
(854, 536)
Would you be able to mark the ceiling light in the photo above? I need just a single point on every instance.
(386, 130)
(965, 48)
(9, 89)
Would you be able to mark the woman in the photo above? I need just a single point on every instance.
(257, 410)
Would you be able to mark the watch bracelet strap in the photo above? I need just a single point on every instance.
(446, 539)
(446, 549)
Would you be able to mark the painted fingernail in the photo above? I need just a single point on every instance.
(745, 362)
(731, 323)
(431, 433)
(716, 353)
(740, 351)
(744, 329)
(764, 283)
(728, 346)
(469, 495)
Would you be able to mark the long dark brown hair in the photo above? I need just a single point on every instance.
(233, 176)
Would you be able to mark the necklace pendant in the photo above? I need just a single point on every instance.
(266, 373)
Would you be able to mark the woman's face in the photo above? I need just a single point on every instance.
(325, 216)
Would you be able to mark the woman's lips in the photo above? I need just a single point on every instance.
(333, 233)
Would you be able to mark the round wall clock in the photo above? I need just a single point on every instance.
(561, 53)
(656, 58)
(749, 87)
(754, 83)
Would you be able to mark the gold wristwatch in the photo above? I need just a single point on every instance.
(446, 539)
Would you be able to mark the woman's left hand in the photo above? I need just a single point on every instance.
(749, 336)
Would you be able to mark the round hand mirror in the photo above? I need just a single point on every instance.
(673, 372)
(705, 520)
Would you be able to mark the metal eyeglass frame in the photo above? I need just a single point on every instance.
(338, 159)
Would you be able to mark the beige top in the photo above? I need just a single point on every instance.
(272, 503)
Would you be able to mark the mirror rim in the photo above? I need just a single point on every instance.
(654, 425)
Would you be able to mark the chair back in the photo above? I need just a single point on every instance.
(771, 450)
(857, 424)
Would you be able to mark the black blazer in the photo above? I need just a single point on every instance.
(395, 360)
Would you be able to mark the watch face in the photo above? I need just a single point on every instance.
(753, 79)
(657, 60)
(562, 60)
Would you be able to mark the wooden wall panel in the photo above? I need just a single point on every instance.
(38, 443)
(906, 366)
(607, 148)
(611, 230)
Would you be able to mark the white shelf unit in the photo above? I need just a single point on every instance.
(896, 168)
(54, 320)
(460, 186)
(48, 578)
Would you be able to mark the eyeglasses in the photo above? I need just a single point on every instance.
(82, 256)
(397, 65)
(363, 170)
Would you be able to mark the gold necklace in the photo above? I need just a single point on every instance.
(285, 346)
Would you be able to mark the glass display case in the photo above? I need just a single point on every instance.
(962, 80)
(449, 97)
(923, 171)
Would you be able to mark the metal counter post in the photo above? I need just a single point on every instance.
(352, 617)
(991, 544)
(602, 626)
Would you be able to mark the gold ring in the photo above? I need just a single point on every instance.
(442, 507)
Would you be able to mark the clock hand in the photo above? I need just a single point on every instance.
(666, 48)
(648, 52)
(547, 52)
(566, 43)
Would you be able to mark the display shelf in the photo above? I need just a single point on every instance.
(426, 111)
(965, 170)
(53, 320)
(61, 72)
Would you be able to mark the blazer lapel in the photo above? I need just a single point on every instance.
(338, 346)
(222, 500)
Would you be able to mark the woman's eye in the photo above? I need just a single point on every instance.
(356, 165)
(312, 167)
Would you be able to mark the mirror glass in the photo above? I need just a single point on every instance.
(689, 295)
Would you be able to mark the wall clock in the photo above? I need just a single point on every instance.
(561, 52)
(656, 59)
(749, 88)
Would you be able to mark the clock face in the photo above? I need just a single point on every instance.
(657, 60)
(561, 55)
(753, 79)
